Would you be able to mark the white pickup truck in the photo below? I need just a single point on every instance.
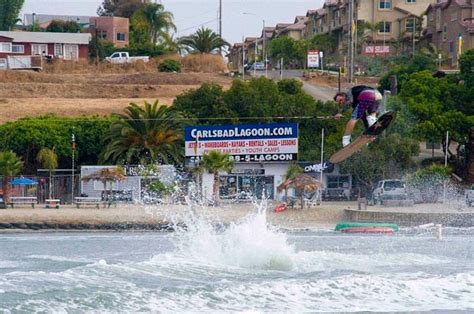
(469, 193)
(123, 57)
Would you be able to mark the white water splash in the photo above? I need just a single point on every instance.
(249, 243)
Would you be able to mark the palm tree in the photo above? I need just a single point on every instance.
(373, 28)
(10, 165)
(203, 41)
(48, 160)
(154, 20)
(145, 134)
(215, 162)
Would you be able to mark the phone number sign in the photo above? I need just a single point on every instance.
(274, 142)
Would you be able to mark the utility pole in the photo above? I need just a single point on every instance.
(220, 18)
(414, 31)
(351, 41)
(73, 138)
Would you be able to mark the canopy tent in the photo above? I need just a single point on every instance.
(23, 185)
(23, 181)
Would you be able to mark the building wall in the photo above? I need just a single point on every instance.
(445, 27)
(82, 49)
(110, 26)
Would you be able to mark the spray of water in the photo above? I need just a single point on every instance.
(249, 243)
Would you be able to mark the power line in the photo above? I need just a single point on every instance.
(194, 26)
(65, 119)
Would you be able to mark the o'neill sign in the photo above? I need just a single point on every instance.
(274, 142)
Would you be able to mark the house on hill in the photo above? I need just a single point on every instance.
(450, 27)
(67, 46)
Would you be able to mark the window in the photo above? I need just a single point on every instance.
(431, 16)
(5, 47)
(102, 34)
(411, 1)
(454, 16)
(385, 4)
(18, 49)
(451, 46)
(71, 52)
(385, 27)
(409, 25)
(121, 36)
(58, 50)
(337, 182)
(39, 49)
(445, 32)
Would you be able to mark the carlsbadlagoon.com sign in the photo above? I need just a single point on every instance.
(273, 142)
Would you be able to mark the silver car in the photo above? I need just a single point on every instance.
(389, 190)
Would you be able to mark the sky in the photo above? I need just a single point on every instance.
(192, 14)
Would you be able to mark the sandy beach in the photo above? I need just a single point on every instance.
(323, 216)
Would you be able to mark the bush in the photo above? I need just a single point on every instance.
(170, 65)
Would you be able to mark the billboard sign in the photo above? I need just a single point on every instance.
(273, 142)
(377, 50)
(313, 59)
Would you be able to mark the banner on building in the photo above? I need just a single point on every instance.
(377, 50)
(274, 142)
(313, 59)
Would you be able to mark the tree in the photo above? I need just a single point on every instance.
(122, 8)
(27, 136)
(100, 48)
(203, 41)
(373, 28)
(324, 42)
(388, 157)
(146, 134)
(58, 26)
(10, 165)
(153, 20)
(430, 181)
(466, 63)
(215, 162)
(49, 160)
(9, 11)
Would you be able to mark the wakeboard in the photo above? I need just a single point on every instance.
(367, 137)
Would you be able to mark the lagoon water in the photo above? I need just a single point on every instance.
(247, 266)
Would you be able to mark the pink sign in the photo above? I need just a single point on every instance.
(378, 50)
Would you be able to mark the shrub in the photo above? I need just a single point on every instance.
(170, 65)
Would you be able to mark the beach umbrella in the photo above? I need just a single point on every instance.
(302, 183)
(105, 175)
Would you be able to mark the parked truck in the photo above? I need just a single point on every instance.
(123, 57)
(469, 193)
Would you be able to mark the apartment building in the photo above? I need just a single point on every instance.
(450, 27)
(396, 21)
(111, 28)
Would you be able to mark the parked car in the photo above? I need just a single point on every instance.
(469, 193)
(124, 57)
(258, 66)
(389, 190)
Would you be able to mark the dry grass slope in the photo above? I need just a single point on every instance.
(82, 88)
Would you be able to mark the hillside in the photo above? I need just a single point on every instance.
(31, 94)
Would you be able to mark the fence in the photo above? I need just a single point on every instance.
(61, 188)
